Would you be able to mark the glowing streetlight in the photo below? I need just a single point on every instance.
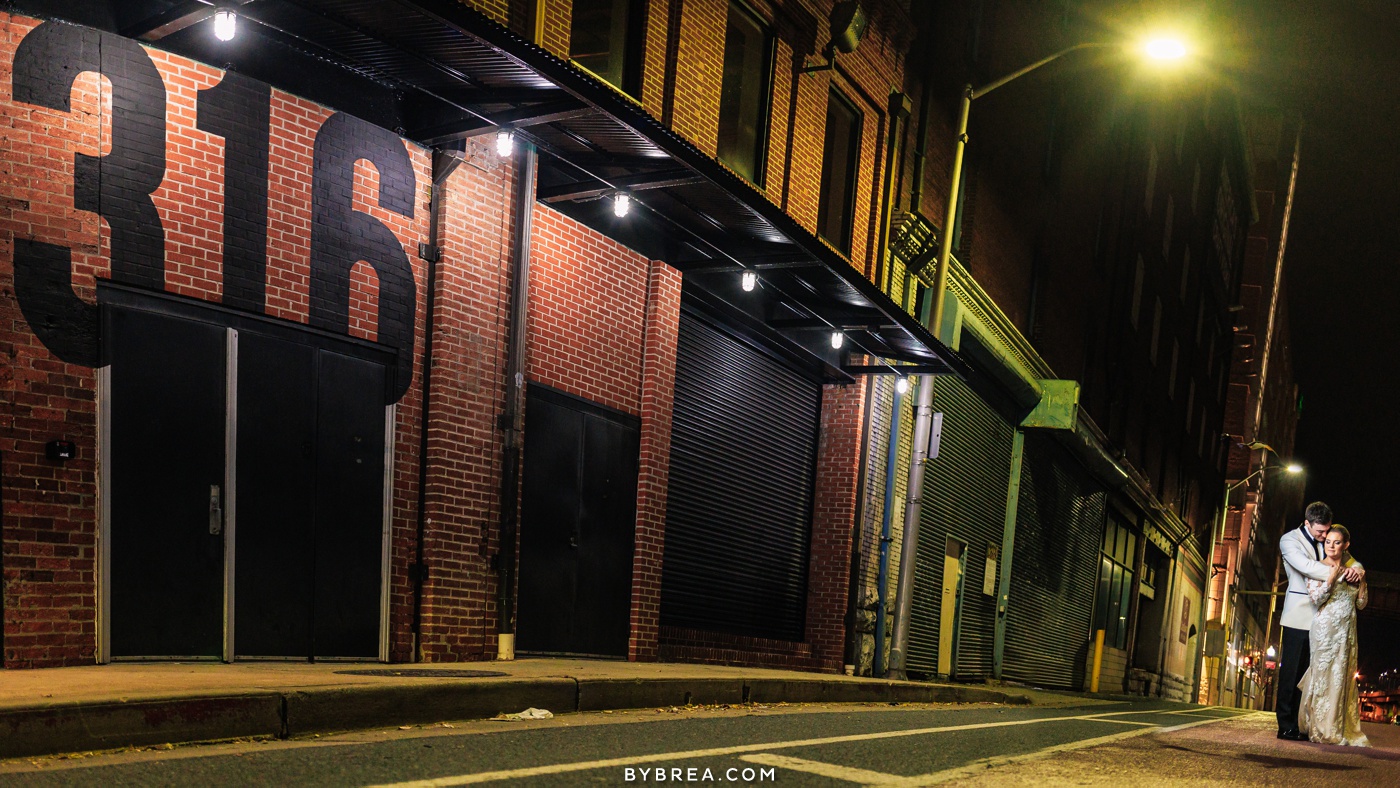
(1164, 48)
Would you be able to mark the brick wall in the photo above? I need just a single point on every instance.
(658, 396)
(468, 387)
(47, 319)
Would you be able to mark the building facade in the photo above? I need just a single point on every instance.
(336, 340)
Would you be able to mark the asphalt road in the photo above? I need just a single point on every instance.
(1137, 743)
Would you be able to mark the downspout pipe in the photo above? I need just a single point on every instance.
(904, 595)
(878, 666)
(522, 221)
(444, 164)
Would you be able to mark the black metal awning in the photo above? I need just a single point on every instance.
(437, 72)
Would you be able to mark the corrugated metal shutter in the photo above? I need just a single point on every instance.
(739, 499)
(1059, 526)
(964, 498)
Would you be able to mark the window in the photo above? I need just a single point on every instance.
(1171, 380)
(1112, 603)
(600, 40)
(839, 156)
(1185, 272)
(1167, 231)
(1156, 330)
(1137, 293)
(1151, 179)
(744, 93)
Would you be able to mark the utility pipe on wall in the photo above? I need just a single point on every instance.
(444, 164)
(882, 608)
(514, 394)
(904, 596)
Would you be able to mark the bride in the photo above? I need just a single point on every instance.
(1329, 711)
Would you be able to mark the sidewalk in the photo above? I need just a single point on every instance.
(102, 707)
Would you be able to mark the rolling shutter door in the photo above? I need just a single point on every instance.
(1059, 525)
(739, 499)
(964, 497)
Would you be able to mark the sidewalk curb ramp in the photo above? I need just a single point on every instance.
(107, 725)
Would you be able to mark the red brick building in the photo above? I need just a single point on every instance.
(304, 360)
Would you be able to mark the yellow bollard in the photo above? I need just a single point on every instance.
(1098, 660)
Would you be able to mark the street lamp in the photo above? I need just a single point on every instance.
(1162, 49)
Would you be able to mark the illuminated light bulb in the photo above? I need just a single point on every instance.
(225, 24)
(837, 340)
(1165, 49)
(505, 142)
(749, 280)
(902, 384)
(621, 205)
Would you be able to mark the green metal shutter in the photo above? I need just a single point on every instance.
(1059, 526)
(739, 496)
(964, 497)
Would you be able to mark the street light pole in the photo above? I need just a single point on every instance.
(932, 317)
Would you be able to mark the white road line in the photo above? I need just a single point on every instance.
(836, 771)
(980, 767)
(715, 752)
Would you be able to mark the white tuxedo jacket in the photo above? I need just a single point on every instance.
(1300, 561)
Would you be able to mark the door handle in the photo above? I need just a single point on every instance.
(216, 511)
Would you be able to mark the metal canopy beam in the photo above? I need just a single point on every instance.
(586, 191)
(172, 20)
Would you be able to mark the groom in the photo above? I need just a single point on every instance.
(1301, 550)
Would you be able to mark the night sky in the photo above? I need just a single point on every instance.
(1337, 63)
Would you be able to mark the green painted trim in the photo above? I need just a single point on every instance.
(1008, 544)
(1058, 408)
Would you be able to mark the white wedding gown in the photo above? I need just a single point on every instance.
(1330, 710)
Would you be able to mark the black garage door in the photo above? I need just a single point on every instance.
(739, 503)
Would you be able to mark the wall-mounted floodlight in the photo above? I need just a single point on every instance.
(505, 142)
(901, 384)
(749, 280)
(621, 205)
(848, 22)
(837, 340)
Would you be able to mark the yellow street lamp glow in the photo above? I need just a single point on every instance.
(1294, 468)
(1164, 49)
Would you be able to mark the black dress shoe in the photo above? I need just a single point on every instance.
(1293, 735)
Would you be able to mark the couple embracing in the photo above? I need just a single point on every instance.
(1317, 694)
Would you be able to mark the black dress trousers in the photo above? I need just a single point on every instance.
(1293, 663)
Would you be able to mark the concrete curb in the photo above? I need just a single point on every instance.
(76, 727)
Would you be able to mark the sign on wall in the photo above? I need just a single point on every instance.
(206, 183)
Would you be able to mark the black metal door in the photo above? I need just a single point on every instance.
(349, 507)
(578, 517)
(167, 472)
(274, 553)
(310, 501)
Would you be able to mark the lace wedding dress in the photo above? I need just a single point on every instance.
(1329, 711)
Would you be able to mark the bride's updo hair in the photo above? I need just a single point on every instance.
(1341, 529)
